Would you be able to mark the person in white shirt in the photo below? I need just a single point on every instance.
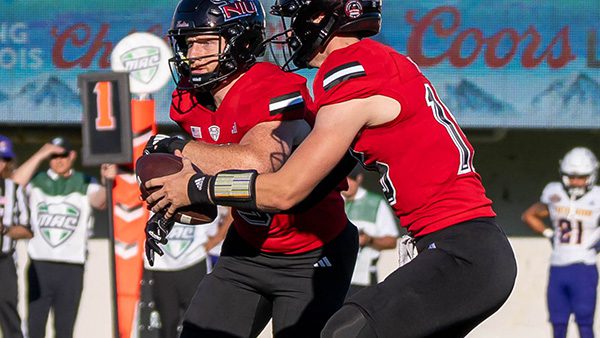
(60, 202)
(376, 225)
(573, 207)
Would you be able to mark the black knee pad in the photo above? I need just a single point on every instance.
(348, 322)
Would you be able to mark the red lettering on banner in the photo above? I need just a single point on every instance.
(70, 36)
(454, 52)
(415, 40)
(97, 46)
(454, 55)
(491, 58)
(530, 61)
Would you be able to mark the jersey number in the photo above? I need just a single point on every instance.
(386, 183)
(566, 231)
(104, 106)
(387, 186)
(445, 118)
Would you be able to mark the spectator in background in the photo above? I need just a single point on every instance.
(60, 202)
(573, 207)
(14, 226)
(376, 225)
(178, 272)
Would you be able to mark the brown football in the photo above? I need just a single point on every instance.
(155, 165)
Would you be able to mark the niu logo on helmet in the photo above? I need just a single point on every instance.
(237, 9)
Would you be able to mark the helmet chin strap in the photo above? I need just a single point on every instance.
(204, 82)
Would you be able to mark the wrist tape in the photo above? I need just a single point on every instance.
(548, 233)
(235, 188)
(198, 187)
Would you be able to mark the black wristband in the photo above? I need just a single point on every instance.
(198, 187)
(235, 188)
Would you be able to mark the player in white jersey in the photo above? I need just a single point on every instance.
(573, 207)
(177, 273)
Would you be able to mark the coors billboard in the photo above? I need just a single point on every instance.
(509, 64)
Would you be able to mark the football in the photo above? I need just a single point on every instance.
(155, 165)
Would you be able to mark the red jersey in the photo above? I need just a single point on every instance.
(423, 157)
(265, 93)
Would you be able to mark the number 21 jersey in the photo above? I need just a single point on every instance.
(575, 222)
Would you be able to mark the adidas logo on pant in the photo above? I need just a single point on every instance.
(323, 263)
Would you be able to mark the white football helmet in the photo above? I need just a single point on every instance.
(579, 161)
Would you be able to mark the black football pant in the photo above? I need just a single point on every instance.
(462, 275)
(55, 286)
(172, 293)
(10, 322)
(247, 287)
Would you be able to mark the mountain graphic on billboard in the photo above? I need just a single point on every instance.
(50, 91)
(466, 98)
(48, 98)
(45, 99)
(574, 96)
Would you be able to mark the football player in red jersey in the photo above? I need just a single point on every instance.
(375, 101)
(295, 267)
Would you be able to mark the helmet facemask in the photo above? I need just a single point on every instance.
(283, 47)
(306, 30)
(241, 26)
(181, 65)
(308, 25)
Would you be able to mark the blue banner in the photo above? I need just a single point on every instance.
(500, 64)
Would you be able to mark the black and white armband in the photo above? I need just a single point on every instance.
(234, 188)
